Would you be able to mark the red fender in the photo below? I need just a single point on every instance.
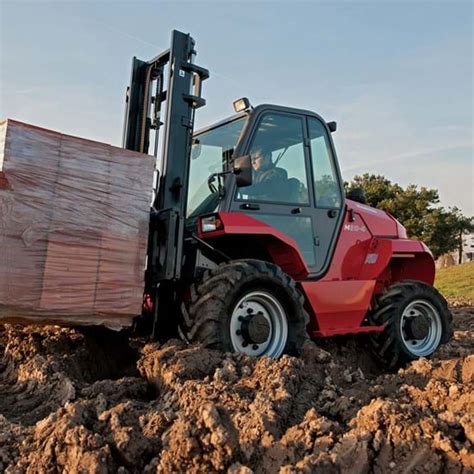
(412, 260)
(282, 249)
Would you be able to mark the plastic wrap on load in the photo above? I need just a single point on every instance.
(74, 218)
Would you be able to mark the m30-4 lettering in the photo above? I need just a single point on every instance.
(355, 228)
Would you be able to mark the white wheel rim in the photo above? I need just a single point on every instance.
(273, 312)
(427, 345)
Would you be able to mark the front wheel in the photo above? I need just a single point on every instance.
(247, 306)
(416, 319)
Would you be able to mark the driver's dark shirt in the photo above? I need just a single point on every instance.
(269, 183)
(272, 173)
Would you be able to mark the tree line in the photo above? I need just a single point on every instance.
(419, 211)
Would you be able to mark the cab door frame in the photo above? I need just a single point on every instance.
(231, 204)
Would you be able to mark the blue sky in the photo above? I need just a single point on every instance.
(396, 76)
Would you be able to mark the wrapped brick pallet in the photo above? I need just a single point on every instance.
(73, 228)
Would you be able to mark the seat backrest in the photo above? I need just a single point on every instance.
(293, 189)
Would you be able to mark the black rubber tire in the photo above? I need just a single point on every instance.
(388, 346)
(206, 318)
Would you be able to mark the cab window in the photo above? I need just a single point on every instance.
(210, 152)
(326, 185)
(278, 162)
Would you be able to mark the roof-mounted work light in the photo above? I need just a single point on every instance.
(242, 104)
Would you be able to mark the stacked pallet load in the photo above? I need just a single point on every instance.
(74, 217)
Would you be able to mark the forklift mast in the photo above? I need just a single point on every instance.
(145, 102)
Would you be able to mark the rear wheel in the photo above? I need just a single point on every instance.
(416, 319)
(247, 306)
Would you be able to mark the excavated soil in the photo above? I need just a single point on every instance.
(96, 402)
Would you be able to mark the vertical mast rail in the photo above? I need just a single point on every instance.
(143, 114)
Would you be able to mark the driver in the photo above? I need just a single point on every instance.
(268, 179)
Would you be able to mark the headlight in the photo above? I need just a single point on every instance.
(241, 104)
(210, 224)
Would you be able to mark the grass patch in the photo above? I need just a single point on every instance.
(456, 281)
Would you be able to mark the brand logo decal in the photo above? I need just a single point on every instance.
(371, 258)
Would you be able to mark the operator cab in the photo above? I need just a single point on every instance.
(296, 186)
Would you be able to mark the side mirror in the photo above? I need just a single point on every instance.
(357, 195)
(332, 126)
(242, 168)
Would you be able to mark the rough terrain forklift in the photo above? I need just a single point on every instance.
(253, 245)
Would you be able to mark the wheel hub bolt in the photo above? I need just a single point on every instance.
(238, 332)
(249, 310)
(240, 318)
(245, 344)
(255, 347)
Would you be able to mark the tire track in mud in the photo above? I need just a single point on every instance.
(95, 402)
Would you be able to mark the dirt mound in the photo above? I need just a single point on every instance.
(95, 403)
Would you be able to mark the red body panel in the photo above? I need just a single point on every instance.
(379, 222)
(283, 249)
(338, 307)
(371, 253)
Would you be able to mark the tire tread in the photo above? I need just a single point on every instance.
(386, 346)
(202, 319)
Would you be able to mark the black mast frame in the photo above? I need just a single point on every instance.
(142, 115)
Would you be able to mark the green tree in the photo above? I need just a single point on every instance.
(379, 191)
(463, 225)
(418, 210)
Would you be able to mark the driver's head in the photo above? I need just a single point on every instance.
(261, 158)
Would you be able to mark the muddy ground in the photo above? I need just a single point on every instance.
(71, 402)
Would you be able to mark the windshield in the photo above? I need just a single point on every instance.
(210, 152)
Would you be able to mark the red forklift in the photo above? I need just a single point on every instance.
(253, 244)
